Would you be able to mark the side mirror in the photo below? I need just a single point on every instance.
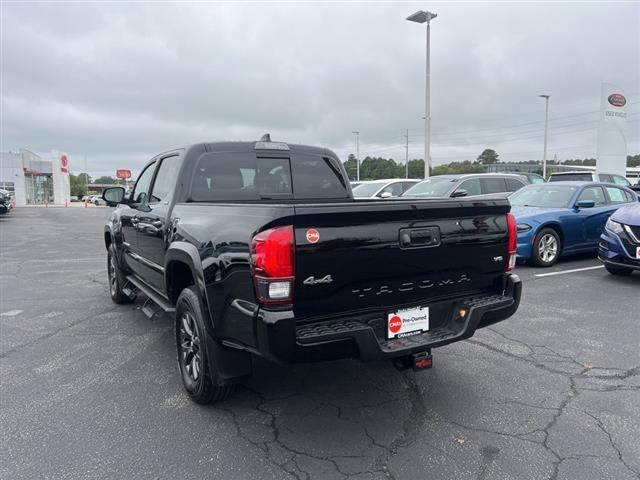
(459, 193)
(113, 195)
(585, 204)
(386, 195)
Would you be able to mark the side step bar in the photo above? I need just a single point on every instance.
(152, 295)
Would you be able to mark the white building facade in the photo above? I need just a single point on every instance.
(34, 179)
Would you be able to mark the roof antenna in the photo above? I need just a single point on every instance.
(266, 138)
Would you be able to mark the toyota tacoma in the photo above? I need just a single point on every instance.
(260, 249)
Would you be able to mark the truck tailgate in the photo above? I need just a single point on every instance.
(372, 255)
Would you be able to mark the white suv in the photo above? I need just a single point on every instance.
(583, 176)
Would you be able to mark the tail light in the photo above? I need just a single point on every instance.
(272, 262)
(512, 242)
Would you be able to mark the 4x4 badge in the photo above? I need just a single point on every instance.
(312, 280)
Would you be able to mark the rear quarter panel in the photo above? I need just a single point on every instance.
(221, 233)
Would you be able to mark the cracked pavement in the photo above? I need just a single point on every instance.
(91, 390)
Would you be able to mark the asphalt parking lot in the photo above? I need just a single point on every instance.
(90, 389)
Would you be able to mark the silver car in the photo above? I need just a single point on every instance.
(386, 188)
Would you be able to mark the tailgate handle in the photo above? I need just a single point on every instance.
(419, 237)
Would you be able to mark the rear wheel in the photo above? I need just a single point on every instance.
(546, 248)
(193, 356)
(618, 270)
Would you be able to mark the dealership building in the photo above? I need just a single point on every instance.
(35, 179)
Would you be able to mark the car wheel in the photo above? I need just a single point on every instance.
(618, 270)
(116, 279)
(193, 356)
(546, 248)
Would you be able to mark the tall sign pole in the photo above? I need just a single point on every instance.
(406, 153)
(357, 133)
(425, 17)
(546, 127)
(612, 131)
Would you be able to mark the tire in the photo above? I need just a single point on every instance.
(546, 248)
(193, 355)
(621, 271)
(116, 279)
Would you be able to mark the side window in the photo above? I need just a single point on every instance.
(513, 184)
(605, 177)
(593, 193)
(618, 180)
(494, 185)
(164, 179)
(617, 195)
(472, 186)
(141, 190)
(631, 197)
(407, 185)
(395, 189)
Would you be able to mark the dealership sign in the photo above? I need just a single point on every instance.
(64, 163)
(617, 100)
(123, 174)
(612, 131)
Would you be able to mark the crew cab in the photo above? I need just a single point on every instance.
(259, 249)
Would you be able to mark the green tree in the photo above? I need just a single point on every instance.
(459, 167)
(106, 179)
(351, 167)
(488, 156)
(416, 168)
(85, 177)
(78, 186)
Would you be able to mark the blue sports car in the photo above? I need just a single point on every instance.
(563, 218)
(619, 247)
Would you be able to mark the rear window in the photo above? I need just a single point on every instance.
(494, 185)
(317, 177)
(245, 176)
(571, 177)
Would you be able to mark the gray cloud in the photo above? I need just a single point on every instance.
(120, 83)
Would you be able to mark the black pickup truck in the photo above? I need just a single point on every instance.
(259, 248)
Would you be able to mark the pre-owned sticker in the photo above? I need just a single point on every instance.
(313, 235)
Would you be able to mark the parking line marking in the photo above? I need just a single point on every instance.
(567, 271)
(11, 313)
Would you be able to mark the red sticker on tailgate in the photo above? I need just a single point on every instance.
(313, 235)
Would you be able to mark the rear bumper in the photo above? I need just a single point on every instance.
(280, 339)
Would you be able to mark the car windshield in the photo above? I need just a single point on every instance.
(547, 195)
(431, 187)
(536, 179)
(367, 189)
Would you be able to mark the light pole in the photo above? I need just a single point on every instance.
(425, 17)
(357, 154)
(406, 153)
(546, 125)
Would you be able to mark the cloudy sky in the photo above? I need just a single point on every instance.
(121, 82)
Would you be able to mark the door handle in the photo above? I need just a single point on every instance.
(157, 223)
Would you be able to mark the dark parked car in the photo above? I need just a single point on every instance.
(619, 247)
(6, 202)
(562, 218)
(494, 185)
(259, 248)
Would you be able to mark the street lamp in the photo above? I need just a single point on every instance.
(546, 124)
(426, 17)
(357, 154)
